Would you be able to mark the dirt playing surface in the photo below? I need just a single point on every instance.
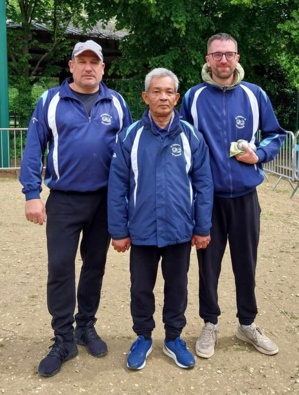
(235, 368)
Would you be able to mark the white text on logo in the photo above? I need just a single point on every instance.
(106, 119)
(240, 122)
(176, 150)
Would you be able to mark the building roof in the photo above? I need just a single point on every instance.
(99, 31)
(106, 36)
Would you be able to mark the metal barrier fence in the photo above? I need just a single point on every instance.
(286, 163)
(12, 144)
(284, 166)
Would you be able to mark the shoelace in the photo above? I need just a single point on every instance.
(207, 334)
(58, 350)
(258, 334)
(89, 334)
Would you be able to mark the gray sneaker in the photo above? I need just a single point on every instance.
(207, 341)
(254, 335)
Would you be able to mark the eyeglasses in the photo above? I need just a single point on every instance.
(218, 55)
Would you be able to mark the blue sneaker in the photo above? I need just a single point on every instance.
(177, 350)
(140, 349)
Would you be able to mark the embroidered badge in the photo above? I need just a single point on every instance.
(106, 119)
(176, 150)
(240, 122)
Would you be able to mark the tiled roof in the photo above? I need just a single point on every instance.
(98, 31)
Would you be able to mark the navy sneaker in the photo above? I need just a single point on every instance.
(177, 350)
(61, 352)
(139, 350)
(89, 338)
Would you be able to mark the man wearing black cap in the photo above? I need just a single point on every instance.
(76, 124)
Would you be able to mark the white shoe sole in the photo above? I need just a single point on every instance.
(172, 355)
(144, 363)
(202, 354)
(245, 339)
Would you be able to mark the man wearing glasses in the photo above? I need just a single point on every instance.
(230, 113)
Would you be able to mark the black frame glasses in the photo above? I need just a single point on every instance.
(219, 55)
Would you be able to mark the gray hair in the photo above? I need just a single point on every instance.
(221, 37)
(160, 72)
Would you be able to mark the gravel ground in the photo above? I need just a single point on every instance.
(235, 368)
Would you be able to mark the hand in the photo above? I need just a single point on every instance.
(35, 211)
(200, 242)
(249, 156)
(121, 245)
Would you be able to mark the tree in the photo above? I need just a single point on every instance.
(289, 57)
(23, 73)
(174, 35)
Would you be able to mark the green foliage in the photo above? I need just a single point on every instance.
(289, 58)
(22, 38)
(131, 90)
(173, 35)
(23, 98)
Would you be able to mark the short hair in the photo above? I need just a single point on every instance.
(221, 37)
(160, 72)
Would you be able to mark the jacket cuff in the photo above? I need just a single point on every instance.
(261, 155)
(202, 233)
(119, 237)
(32, 195)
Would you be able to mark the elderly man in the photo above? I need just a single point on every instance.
(160, 203)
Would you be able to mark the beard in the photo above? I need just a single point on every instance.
(223, 73)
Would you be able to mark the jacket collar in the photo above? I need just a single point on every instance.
(65, 91)
(173, 126)
(207, 76)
